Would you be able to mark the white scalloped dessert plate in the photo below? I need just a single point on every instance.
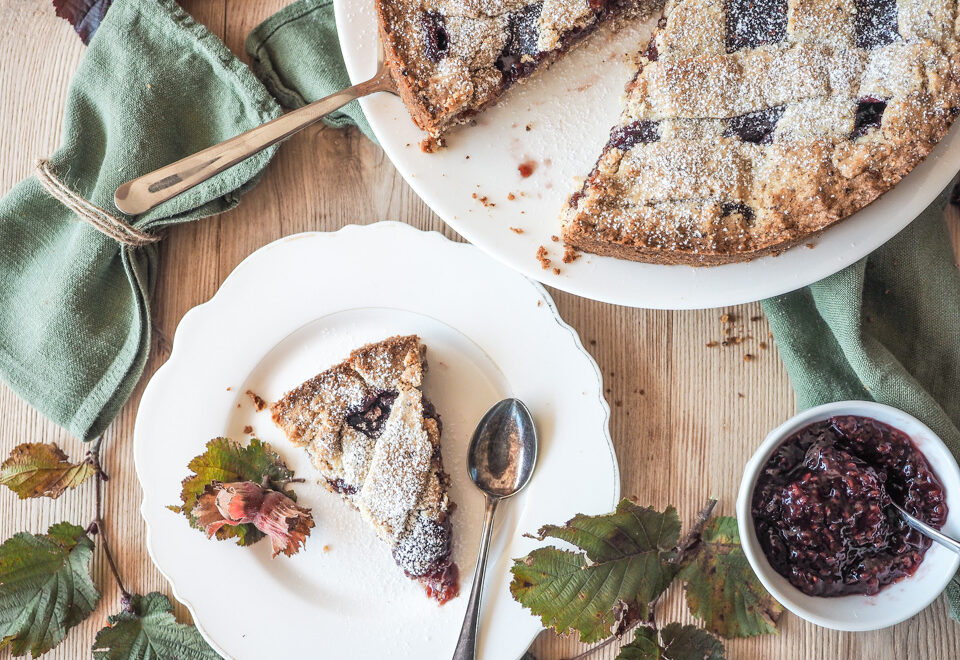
(292, 309)
(569, 110)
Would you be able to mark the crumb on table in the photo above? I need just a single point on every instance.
(516, 230)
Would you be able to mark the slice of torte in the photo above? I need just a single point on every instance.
(376, 441)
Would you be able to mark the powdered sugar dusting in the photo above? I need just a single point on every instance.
(458, 56)
(858, 96)
(398, 469)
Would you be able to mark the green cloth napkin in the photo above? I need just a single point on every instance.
(153, 86)
(296, 53)
(885, 329)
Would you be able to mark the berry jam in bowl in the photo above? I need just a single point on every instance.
(816, 520)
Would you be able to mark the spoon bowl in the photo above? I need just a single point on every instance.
(503, 451)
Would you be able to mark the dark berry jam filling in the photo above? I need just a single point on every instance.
(640, 131)
(523, 35)
(424, 555)
(875, 23)
(435, 37)
(822, 507)
(756, 127)
(442, 582)
(728, 209)
(869, 115)
(652, 54)
(752, 23)
(342, 487)
(370, 418)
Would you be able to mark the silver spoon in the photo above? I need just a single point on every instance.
(928, 531)
(145, 192)
(503, 453)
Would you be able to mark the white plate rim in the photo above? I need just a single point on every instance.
(210, 307)
(837, 247)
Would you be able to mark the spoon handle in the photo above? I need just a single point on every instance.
(932, 532)
(467, 644)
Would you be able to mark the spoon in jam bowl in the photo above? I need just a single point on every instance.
(862, 437)
(927, 530)
(502, 456)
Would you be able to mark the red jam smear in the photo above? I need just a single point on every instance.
(822, 509)
(442, 582)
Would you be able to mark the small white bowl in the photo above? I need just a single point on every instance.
(894, 603)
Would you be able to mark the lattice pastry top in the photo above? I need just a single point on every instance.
(753, 124)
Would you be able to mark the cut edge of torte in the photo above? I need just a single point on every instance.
(456, 57)
(753, 125)
(376, 442)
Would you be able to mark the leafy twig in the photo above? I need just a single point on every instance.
(57, 591)
(689, 541)
(97, 526)
(721, 588)
(692, 537)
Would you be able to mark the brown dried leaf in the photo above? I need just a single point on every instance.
(39, 469)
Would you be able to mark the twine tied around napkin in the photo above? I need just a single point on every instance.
(110, 225)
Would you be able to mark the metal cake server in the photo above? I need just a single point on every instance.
(502, 456)
(145, 192)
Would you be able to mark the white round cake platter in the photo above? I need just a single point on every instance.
(559, 121)
(295, 308)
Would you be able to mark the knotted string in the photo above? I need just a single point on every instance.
(108, 224)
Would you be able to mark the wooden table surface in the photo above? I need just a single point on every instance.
(685, 416)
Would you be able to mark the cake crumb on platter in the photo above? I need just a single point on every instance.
(570, 255)
(542, 257)
(258, 401)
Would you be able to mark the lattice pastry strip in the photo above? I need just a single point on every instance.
(821, 20)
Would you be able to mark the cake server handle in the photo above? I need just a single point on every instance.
(150, 190)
